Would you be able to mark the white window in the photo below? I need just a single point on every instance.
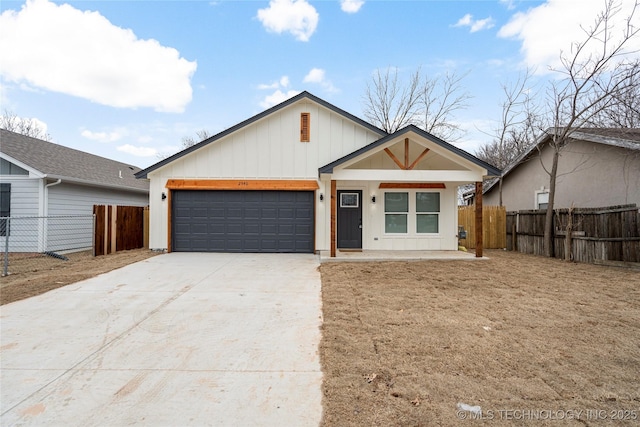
(427, 212)
(396, 210)
(349, 200)
(412, 213)
(542, 199)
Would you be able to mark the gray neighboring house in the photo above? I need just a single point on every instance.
(43, 179)
(600, 167)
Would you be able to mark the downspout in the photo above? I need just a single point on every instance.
(44, 226)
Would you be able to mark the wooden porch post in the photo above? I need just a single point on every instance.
(478, 225)
(334, 205)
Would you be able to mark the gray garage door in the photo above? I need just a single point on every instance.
(242, 221)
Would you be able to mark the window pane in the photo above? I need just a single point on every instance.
(349, 200)
(427, 202)
(396, 202)
(395, 223)
(427, 223)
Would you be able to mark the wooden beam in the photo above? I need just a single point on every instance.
(169, 221)
(334, 214)
(242, 184)
(412, 185)
(406, 153)
(420, 157)
(478, 225)
(394, 158)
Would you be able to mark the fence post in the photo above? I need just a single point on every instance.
(7, 226)
(93, 236)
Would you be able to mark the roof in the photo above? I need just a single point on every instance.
(628, 138)
(59, 162)
(491, 170)
(290, 101)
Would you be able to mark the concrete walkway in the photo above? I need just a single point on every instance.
(179, 339)
(370, 256)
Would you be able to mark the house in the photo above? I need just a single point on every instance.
(597, 168)
(306, 176)
(41, 179)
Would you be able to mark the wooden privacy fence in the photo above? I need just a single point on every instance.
(119, 228)
(604, 235)
(493, 225)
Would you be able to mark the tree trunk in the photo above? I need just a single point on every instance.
(569, 236)
(500, 190)
(548, 220)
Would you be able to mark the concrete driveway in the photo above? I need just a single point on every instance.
(178, 339)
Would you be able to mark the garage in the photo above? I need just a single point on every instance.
(242, 221)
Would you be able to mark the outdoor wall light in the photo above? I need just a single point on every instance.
(321, 197)
(373, 199)
(164, 196)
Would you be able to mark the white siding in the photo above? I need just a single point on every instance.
(267, 149)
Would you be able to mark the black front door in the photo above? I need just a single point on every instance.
(349, 219)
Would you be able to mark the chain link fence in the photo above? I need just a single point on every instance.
(39, 243)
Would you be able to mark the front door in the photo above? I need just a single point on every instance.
(349, 219)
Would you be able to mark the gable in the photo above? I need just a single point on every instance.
(10, 168)
(290, 142)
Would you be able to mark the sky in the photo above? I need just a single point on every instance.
(127, 80)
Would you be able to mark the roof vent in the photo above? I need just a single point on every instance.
(120, 174)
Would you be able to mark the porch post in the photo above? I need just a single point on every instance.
(478, 225)
(334, 204)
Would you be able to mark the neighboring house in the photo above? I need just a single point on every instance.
(43, 179)
(306, 176)
(597, 168)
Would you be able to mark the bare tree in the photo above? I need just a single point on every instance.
(188, 141)
(201, 135)
(440, 98)
(428, 103)
(624, 110)
(391, 105)
(28, 127)
(592, 80)
(516, 132)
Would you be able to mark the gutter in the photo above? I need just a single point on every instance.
(46, 195)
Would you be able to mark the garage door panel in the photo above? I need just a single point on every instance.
(242, 221)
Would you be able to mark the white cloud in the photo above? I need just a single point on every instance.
(351, 6)
(509, 4)
(81, 53)
(317, 75)
(552, 27)
(138, 151)
(103, 136)
(475, 25)
(293, 16)
(277, 97)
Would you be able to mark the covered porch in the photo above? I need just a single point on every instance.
(399, 195)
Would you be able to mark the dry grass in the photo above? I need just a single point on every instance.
(79, 267)
(404, 342)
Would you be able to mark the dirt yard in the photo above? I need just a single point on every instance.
(530, 340)
(24, 285)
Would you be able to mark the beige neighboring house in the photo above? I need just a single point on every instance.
(306, 176)
(598, 168)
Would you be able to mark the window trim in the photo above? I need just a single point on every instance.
(411, 214)
(536, 201)
(5, 188)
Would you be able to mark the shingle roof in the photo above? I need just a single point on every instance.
(57, 161)
(305, 94)
(628, 138)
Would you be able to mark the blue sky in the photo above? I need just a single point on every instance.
(128, 79)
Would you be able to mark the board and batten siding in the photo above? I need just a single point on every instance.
(269, 148)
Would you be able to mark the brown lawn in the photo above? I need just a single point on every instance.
(525, 338)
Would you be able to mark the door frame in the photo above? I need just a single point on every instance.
(360, 209)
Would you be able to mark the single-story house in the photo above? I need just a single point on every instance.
(40, 179)
(597, 168)
(306, 176)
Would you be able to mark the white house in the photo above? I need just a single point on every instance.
(306, 176)
(40, 180)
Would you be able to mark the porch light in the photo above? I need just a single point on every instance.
(373, 199)
(321, 197)
(164, 196)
